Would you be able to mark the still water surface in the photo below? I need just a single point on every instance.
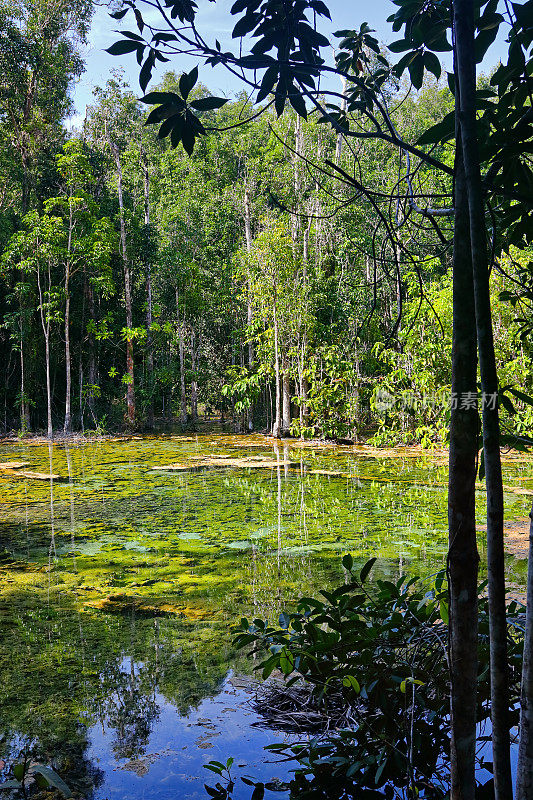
(119, 583)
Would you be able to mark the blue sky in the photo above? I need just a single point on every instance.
(216, 22)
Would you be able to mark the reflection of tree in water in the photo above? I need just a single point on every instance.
(131, 710)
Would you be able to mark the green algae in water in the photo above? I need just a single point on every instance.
(119, 583)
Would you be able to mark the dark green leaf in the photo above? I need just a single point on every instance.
(208, 103)
(432, 63)
(416, 71)
(366, 569)
(122, 47)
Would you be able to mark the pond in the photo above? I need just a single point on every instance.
(119, 583)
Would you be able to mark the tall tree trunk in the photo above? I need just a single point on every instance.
(297, 160)
(462, 555)
(67, 427)
(249, 309)
(276, 427)
(24, 406)
(286, 397)
(466, 72)
(524, 770)
(195, 344)
(45, 323)
(149, 342)
(130, 387)
(93, 372)
(183, 391)
(338, 146)
(181, 350)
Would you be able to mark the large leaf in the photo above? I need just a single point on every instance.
(208, 103)
(122, 47)
(51, 778)
(366, 569)
(442, 132)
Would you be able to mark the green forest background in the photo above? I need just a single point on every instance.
(139, 284)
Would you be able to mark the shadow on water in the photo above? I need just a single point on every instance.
(119, 583)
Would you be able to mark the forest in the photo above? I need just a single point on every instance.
(338, 253)
(141, 284)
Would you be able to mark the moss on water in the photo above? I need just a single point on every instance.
(120, 579)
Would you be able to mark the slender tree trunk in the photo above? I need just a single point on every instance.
(183, 392)
(524, 771)
(249, 309)
(465, 49)
(93, 372)
(194, 382)
(24, 407)
(462, 555)
(149, 342)
(298, 151)
(338, 146)
(181, 350)
(276, 427)
(130, 387)
(67, 427)
(286, 398)
(45, 323)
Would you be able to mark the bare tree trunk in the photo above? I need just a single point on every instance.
(466, 72)
(183, 392)
(67, 427)
(24, 406)
(524, 770)
(130, 387)
(194, 382)
(45, 323)
(276, 427)
(338, 146)
(462, 555)
(93, 372)
(249, 309)
(149, 342)
(286, 397)
(298, 150)
(181, 350)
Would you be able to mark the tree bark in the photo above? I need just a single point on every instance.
(466, 73)
(276, 427)
(45, 323)
(130, 387)
(286, 398)
(93, 372)
(195, 344)
(181, 350)
(524, 770)
(67, 427)
(249, 309)
(149, 342)
(463, 555)
(24, 406)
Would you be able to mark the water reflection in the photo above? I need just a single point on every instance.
(119, 583)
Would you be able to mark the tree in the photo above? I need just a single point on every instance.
(39, 60)
(89, 240)
(37, 251)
